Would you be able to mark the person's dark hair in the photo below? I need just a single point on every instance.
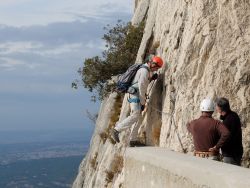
(223, 103)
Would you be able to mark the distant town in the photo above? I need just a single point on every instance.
(17, 152)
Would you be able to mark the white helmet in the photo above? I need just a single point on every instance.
(207, 105)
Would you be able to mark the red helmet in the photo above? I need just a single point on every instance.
(157, 60)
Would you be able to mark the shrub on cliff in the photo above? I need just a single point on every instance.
(122, 44)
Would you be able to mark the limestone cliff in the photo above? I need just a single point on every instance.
(206, 47)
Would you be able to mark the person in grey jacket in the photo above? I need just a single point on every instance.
(138, 100)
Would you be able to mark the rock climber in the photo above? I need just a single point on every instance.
(138, 100)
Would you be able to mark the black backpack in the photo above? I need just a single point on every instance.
(125, 79)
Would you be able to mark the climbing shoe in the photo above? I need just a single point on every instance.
(115, 135)
(136, 144)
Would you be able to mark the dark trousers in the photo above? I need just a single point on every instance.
(232, 160)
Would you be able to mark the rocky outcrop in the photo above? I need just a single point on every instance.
(103, 162)
(206, 48)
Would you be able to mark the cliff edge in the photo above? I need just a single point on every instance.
(206, 48)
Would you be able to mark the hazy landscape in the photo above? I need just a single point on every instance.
(44, 133)
(30, 159)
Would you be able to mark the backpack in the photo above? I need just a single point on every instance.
(125, 79)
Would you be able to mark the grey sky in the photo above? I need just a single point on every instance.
(42, 44)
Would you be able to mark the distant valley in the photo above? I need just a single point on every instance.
(41, 158)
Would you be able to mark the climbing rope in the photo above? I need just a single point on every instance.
(175, 127)
(169, 114)
(147, 95)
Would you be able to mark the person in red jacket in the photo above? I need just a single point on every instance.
(209, 135)
(232, 151)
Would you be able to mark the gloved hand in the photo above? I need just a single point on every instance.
(154, 77)
(142, 107)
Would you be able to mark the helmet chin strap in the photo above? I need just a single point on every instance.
(150, 64)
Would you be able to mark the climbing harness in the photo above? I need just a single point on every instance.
(205, 154)
(133, 100)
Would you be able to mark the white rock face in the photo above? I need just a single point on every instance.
(102, 166)
(206, 48)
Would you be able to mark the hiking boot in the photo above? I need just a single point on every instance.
(115, 135)
(136, 144)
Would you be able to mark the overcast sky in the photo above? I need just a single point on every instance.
(42, 45)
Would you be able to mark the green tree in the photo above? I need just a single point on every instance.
(122, 43)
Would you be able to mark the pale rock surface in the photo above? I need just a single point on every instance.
(206, 48)
(93, 171)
